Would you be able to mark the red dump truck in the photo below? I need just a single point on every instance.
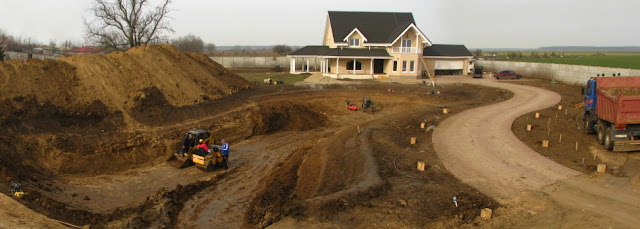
(612, 110)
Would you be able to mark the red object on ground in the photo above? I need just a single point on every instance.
(353, 107)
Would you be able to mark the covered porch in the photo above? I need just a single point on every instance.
(342, 67)
(340, 63)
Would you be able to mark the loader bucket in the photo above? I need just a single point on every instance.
(180, 162)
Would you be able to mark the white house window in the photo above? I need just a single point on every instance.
(404, 66)
(395, 66)
(412, 66)
(406, 43)
(406, 46)
(354, 42)
(358, 65)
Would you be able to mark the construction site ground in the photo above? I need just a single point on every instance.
(298, 156)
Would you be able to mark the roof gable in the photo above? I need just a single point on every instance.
(380, 27)
(356, 30)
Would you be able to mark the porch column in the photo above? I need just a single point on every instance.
(307, 64)
(326, 65)
(293, 65)
(337, 66)
(354, 66)
(371, 71)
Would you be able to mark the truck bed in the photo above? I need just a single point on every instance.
(618, 99)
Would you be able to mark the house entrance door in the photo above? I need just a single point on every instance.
(378, 66)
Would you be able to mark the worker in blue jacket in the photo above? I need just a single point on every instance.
(224, 150)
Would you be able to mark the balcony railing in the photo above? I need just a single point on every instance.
(405, 50)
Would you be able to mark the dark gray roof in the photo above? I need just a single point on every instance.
(326, 51)
(446, 50)
(377, 27)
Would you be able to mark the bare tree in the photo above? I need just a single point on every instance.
(210, 48)
(189, 43)
(123, 24)
(478, 53)
(281, 49)
(1, 53)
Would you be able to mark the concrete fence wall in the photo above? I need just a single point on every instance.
(24, 56)
(570, 74)
(262, 62)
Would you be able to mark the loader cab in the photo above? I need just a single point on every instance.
(198, 134)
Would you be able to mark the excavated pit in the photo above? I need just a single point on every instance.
(95, 116)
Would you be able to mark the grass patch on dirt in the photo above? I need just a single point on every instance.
(287, 78)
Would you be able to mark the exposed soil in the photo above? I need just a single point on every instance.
(88, 137)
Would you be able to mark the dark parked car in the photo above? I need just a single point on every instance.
(508, 74)
(477, 73)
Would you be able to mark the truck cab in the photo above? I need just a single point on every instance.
(590, 100)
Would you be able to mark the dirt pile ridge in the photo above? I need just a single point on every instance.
(123, 80)
(120, 80)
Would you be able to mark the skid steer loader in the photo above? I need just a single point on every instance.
(194, 155)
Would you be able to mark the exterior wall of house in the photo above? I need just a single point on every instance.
(416, 43)
(431, 65)
(365, 63)
(328, 35)
(417, 71)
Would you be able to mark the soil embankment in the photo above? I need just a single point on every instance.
(85, 114)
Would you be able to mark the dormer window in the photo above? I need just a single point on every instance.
(354, 42)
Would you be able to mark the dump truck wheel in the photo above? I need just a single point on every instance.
(600, 134)
(608, 139)
(588, 125)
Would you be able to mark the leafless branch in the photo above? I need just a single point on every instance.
(122, 24)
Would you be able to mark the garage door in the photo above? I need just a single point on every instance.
(448, 64)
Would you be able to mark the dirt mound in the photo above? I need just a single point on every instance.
(84, 114)
(124, 78)
(286, 116)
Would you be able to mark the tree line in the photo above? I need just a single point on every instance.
(123, 24)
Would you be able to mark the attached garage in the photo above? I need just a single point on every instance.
(447, 59)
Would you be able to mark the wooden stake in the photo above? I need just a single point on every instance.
(556, 116)
(529, 127)
(549, 132)
(560, 141)
(566, 111)
(576, 146)
(358, 128)
(545, 143)
(413, 141)
(537, 115)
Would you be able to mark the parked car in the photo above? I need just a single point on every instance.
(477, 73)
(508, 74)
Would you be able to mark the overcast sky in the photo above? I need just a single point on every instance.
(474, 23)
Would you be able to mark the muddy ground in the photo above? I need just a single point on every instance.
(299, 157)
(347, 191)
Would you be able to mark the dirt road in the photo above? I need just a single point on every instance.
(478, 147)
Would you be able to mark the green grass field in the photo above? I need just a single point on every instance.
(602, 59)
(613, 61)
(285, 77)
